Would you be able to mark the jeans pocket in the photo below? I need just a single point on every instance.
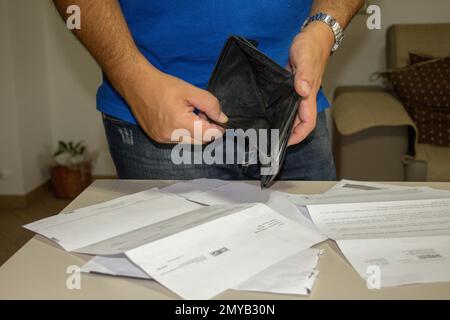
(111, 119)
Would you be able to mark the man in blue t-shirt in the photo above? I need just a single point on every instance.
(157, 57)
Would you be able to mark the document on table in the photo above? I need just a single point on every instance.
(390, 219)
(295, 275)
(343, 196)
(228, 193)
(178, 242)
(114, 226)
(226, 251)
(352, 186)
(233, 233)
(118, 266)
(347, 191)
(214, 192)
(407, 240)
(401, 260)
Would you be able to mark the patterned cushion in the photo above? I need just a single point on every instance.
(424, 89)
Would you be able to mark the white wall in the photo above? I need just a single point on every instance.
(32, 99)
(25, 113)
(10, 156)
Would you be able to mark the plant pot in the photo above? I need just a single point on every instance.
(69, 181)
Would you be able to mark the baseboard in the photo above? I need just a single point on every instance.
(21, 201)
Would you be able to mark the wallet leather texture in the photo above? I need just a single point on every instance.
(256, 93)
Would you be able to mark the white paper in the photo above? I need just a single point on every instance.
(409, 241)
(107, 224)
(162, 226)
(201, 262)
(347, 191)
(119, 266)
(400, 261)
(353, 186)
(295, 275)
(389, 219)
(214, 192)
(221, 231)
(397, 194)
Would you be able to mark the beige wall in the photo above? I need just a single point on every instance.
(32, 99)
(26, 125)
(10, 156)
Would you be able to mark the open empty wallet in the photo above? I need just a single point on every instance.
(258, 94)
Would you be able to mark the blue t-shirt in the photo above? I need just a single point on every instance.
(184, 38)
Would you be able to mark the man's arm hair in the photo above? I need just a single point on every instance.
(105, 34)
(342, 10)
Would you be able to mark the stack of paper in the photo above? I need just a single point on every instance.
(294, 275)
(241, 237)
(180, 242)
(407, 240)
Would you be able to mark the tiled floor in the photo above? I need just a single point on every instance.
(12, 235)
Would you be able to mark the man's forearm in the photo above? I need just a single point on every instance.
(105, 34)
(342, 10)
(308, 57)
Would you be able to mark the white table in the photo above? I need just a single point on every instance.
(38, 269)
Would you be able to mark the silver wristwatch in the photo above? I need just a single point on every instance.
(332, 23)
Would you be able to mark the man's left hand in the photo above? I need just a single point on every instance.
(308, 57)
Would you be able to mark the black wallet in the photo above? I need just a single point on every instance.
(256, 93)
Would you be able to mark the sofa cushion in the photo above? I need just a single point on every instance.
(357, 111)
(424, 89)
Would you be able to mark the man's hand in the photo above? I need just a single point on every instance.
(309, 55)
(162, 104)
(308, 58)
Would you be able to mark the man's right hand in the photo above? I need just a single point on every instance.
(162, 104)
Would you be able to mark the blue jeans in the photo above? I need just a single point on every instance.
(136, 156)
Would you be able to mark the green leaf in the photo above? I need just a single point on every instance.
(63, 145)
(71, 148)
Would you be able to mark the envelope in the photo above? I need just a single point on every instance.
(256, 93)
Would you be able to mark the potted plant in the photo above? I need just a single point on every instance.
(71, 173)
